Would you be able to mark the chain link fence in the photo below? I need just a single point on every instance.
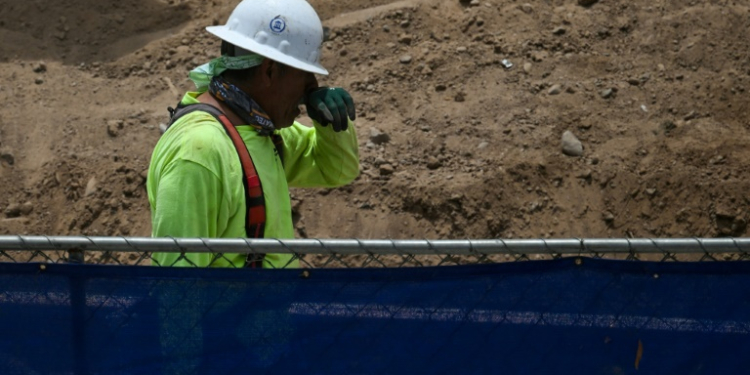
(580, 313)
(353, 253)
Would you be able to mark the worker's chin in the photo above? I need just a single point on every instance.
(291, 117)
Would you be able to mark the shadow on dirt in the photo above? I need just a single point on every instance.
(84, 30)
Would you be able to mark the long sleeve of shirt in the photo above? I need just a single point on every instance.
(319, 156)
(192, 209)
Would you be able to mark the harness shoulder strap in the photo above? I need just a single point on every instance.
(254, 204)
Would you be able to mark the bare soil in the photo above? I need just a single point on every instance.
(454, 144)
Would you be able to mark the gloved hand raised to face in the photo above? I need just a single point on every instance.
(330, 105)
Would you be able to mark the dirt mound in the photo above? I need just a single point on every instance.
(462, 110)
(76, 31)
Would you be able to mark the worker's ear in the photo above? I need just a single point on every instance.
(266, 73)
(278, 69)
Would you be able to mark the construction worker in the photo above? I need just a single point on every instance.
(199, 181)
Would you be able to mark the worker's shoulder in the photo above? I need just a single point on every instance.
(196, 136)
(197, 125)
(197, 120)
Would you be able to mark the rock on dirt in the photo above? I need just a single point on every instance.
(39, 67)
(7, 158)
(386, 169)
(377, 137)
(434, 163)
(571, 146)
(90, 187)
(114, 127)
(27, 208)
(13, 210)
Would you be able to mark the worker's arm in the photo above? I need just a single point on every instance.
(326, 155)
(319, 156)
(185, 204)
(188, 194)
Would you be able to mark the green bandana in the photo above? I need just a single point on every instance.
(202, 75)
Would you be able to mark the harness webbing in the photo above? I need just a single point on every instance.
(254, 204)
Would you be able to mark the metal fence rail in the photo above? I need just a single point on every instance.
(369, 253)
(354, 246)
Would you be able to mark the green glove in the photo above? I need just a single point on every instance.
(330, 105)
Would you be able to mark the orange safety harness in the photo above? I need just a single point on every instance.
(254, 204)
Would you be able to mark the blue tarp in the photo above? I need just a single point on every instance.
(541, 317)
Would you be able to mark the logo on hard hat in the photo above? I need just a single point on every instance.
(277, 25)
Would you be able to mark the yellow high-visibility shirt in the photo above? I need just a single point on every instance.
(195, 183)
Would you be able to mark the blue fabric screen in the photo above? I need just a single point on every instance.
(541, 317)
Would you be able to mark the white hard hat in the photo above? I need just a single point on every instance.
(287, 31)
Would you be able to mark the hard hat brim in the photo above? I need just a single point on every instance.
(244, 42)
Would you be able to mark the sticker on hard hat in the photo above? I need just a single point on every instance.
(277, 25)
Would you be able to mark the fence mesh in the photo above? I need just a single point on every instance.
(570, 315)
(337, 253)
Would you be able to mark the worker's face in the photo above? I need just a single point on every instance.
(287, 89)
